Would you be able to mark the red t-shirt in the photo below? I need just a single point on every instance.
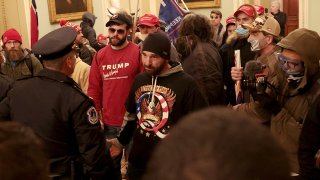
(111, 76)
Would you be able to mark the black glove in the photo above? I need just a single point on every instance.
(267, 102)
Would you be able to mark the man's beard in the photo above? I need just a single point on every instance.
(120, 41)
(14, 55)
(155, 71)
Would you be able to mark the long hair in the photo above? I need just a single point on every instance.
(196, 25)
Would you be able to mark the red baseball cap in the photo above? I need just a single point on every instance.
(259, 9)
(102, 37)
(247, 9)
(149, 20)
(66, 23)
(231, 20)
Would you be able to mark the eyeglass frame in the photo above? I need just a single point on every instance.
(119, 31)
(13, 42)
(290, 62)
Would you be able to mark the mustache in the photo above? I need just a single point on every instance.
(114, 37)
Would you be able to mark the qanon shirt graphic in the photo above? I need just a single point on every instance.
(153, 115)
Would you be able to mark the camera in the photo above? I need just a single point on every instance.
(258, 84)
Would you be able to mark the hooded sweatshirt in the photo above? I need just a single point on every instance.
(88, 21)
(154, 105)
(286, 125)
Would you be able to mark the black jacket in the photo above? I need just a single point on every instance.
(204, 64)
(176, 94)
(65, 119)
(89, 33)
(228, 59)
(310, 143)
(5, 86)
(281, 17)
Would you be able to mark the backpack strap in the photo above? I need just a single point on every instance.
(28, 61)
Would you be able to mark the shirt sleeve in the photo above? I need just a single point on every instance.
(95, 83)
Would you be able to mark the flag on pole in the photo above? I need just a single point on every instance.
(171, 13)
(239, 93)
(34, 23)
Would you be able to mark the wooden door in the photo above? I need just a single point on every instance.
(291, 8)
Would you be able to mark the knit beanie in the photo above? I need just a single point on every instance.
(158, 43)
(65, 23)
(11, 34)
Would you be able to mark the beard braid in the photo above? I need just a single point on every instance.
(15, 55)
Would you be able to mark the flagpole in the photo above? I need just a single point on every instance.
(184, 4)
(135, 23)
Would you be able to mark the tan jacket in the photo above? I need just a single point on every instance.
(81, 74)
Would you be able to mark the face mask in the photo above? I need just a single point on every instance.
(255, 45)
(293, 76)
(242, 32)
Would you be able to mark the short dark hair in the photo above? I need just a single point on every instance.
(21, 153)
(275, 39)
(217, 12)
(218, 143)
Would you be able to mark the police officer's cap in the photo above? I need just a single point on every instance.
(55, 44)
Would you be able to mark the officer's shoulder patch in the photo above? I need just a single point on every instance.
(92, 115)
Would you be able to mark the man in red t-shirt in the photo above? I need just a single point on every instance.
(112, 72)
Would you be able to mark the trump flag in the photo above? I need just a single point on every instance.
(171, 13)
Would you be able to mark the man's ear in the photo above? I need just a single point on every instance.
(68, 61)
(270, 39)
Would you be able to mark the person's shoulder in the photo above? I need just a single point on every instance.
(5, 79)
(81, 64)
(184, 78)
(134, 46)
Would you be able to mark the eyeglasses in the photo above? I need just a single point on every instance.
(119, 31)
(290, 62)
(12, 43)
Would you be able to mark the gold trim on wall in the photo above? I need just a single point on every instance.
(55, 18)
(202, 4)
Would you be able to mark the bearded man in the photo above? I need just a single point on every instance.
(112, 73)
(18, 62)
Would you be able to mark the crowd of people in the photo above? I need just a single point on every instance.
(173, 110)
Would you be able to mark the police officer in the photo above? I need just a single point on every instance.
(53, 105)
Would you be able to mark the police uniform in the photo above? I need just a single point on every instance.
(53, 105)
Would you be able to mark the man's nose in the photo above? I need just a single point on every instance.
(147, 61)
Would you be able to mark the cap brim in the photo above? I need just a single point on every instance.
(147, 24)
(114, 21)
(240, 11)
(249, 27)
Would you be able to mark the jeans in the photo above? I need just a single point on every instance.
(112, 132)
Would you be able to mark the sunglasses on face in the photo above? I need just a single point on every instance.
(113, 30)
(290, 63)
